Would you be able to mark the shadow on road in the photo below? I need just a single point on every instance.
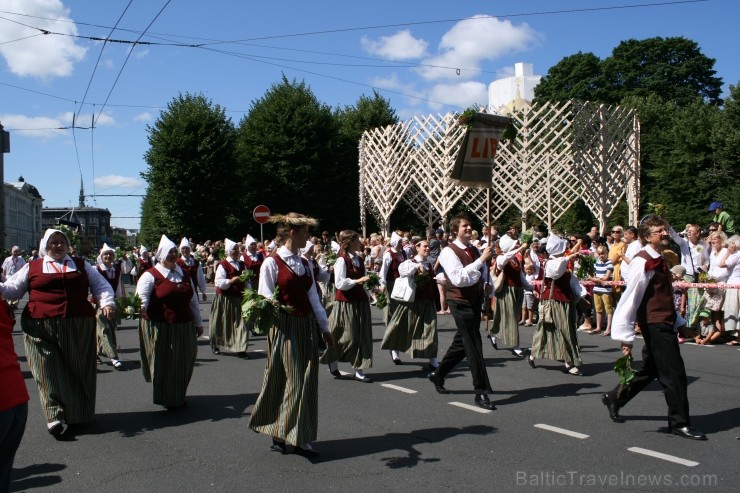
(405, 442)
(35, 476)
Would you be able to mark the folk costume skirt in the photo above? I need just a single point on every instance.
(413, 329)
(352, 328)
(228, 331)
(287, 407)
(61, 354)
(507, 312)
(106, 331)
(557, 341)
(168, 354)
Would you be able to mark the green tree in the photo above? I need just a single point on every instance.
(287, 154)
(722, 179)
(574, 77)
(191, 170)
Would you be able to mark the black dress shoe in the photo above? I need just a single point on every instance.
(530, 360)
(363, 379)
(336, 373)
(439, 383)
(305, 452)
(278, 446)
(216, 350)
(493, 342)
(397, 361)
(613, 408)
(482, 401)
(57, 429)
(689, 432)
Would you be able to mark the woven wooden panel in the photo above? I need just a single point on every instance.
(562, 153)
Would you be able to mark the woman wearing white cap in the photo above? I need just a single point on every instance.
(111, 272)
(169, 327)
(556, 338)
(228, 330)
(392, 258)
(287, 407)
(507, 309)
(59, 327)
(253, 260)
(191, 265)
(413, 328)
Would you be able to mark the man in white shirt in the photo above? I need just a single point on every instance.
(648, 299)
(465, 272)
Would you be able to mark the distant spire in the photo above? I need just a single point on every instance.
(82, 193)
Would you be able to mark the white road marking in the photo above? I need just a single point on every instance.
(659, 455)
(562, 431)
(700, 345)
(400, 389)
(470, 407)
(259, 351)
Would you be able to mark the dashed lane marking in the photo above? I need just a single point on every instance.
(659, 455)
(700, 345)
(400, 389)
(562, 431)
(470, 407)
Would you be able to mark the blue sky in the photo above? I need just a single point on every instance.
(408, 50)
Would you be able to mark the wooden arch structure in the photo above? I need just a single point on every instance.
(562, 152)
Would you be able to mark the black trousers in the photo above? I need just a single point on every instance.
(466, 344)
(661, 359)
(12, 427)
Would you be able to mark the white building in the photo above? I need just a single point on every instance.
(23, 204)
(513, 92)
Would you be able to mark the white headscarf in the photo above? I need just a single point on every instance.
(185, 243)
(506, 243)
(308, 246)
(334, 246)
(143, 250)
(249, 240)
(47, 234)
(165, 245)
(395, 239)
(555, 245)
(107, 248)
(229, 246)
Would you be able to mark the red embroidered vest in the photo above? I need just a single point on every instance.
(170, 301)
(469, 293)
(357, 292)
(656, 306)
(236, 289)
(62, 294)
(293, 289)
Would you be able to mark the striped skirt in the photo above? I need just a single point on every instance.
(61, 354)
(507, 312)
(228, 330)
(168, 354)
(288, 404)
(328, 292)
(413, 329)
(107, 343)
(559, 340)
(352, 328)
(390, 308)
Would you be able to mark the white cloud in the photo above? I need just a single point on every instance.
(85, 119)
(118, 181)
(475, 40)
(462, 94)
(143, 117)
(393, 83)
(44, 56)
(400, 46)
(141, 53)
(41, 127)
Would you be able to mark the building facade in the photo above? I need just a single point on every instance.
(23, 215)
(92, 225)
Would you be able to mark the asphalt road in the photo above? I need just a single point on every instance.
(396, 434)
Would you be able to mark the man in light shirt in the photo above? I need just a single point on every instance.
(648, 299)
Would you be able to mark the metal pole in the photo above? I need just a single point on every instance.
(4, 147)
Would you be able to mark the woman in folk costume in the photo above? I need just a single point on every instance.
(228, 330)
(507, 308)
(191, 265)
(392, 258)
(556, 337)
(413, 328)
(328, 289)
(111, 272)
(253, 260)
(320, 273)
(169, 326)
(145, 261)
(350, 321)
(287, 407)
(59, 327)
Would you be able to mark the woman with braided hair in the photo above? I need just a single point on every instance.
(350, 321)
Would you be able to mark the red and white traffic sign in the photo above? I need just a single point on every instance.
(261, 214)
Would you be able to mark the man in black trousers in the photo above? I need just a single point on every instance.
(465, 273)
(648, 300)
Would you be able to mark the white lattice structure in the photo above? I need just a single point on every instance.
(562, 152)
